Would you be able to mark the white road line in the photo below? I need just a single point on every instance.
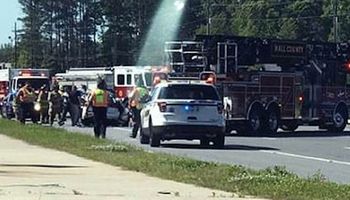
(348, 148)
(307, 157)
(267, 138)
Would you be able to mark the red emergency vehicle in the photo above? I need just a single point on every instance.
(268, 84)
(127, 77)
(12, 79)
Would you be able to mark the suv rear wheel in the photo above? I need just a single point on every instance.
(154, 139)
(144, 139)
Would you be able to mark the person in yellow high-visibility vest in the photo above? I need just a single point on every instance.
(136, 100)
(99, 100)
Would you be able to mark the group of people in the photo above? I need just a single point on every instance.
(57, 102)
(48, 105)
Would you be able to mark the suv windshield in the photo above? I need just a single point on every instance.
(201, 92)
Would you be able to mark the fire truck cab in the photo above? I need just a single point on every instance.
(127, 77)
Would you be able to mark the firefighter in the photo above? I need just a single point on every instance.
(44, 104)
(55, 104)
(65, 105)
(25, 99)
(136, 100)
(99, 100)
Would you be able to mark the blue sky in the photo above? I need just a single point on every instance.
(10, 10)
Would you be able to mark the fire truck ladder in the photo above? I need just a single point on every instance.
(227, 57)
(185, 56)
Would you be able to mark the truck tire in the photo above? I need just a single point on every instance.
(255, 121)
(204, 142)
(290, 126)
(219, 141)
(272, 120)
(340, 119)
(154, 139)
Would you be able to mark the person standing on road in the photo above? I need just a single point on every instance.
(25, 98)
(75, 106)
(136, 100)
(99, 100)
(44, 104)
(55, 102)
(65, 105)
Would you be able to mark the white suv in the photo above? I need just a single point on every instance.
(188, 111)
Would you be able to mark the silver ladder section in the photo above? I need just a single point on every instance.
(185, 56)
(227, 58)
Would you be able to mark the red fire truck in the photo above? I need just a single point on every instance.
(12, 79)
(126, 77)
(268, 84)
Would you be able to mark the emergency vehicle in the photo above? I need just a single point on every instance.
(126, 78)
(267, 84)
(85, 77)
(12, 79)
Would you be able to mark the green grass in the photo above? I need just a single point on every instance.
(272, 183)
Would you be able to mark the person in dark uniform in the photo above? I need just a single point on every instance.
(75, 106)
(99, 100)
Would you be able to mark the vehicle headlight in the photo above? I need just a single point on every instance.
(37, 107)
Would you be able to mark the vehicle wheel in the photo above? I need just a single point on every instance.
(204, 142)
(290, 126)
(1, 113)
(255, 120)
(144, 139)
(272, 121)
(340, 119)
(86, 122)
(154, 139)
(219, 141)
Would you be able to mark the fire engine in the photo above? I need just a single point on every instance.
(85, 76)
(268, 84)
(126, 78)
(12, 79)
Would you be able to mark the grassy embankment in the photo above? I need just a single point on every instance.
(272, 183)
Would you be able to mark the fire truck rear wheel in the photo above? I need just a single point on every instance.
(340, 119)
(272, 120)
(255, 120)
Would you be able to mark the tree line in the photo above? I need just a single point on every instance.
(59, 34)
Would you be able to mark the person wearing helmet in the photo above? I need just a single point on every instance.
(44, 104)
(55, 104)
(137, 98)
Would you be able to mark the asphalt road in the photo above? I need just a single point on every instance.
(305, 152)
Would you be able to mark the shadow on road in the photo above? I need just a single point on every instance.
(227, 147)
(285, 134)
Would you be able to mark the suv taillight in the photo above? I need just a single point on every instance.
(162, 106)
(220, 108)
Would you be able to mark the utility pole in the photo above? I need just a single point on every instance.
(209, 17)
(15, 61)
(335, 20)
